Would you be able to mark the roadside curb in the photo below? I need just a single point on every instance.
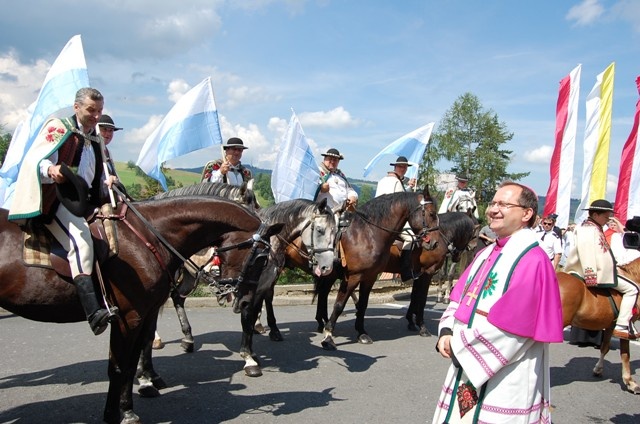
(384, 291)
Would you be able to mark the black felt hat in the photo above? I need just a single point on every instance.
(106, 121)
(600, 205)
(401, 161)
(462, 177)
(74, 192)
(334, 153)
(235, 142)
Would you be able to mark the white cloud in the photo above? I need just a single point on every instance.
(585, 13)
(540, 155)
(628, 10)
(335, 118)
(19, 86)
(177, 88)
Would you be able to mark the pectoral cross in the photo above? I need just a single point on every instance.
(472, 295)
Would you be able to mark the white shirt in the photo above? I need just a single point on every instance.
(339, 191)
(623, 255)
(550, 243)
(389, 184)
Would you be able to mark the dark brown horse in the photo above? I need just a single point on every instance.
(457, 232)
(365, 247)
(591, 308)
(138, 279)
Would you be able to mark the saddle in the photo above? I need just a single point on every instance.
(41, 249)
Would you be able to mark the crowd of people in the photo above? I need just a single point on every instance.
(499, 363)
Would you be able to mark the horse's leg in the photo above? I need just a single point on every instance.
(361, 308)
(323, 288)
(417, 305)
(338, 307)
(625, 359)
(187, 342)
(258, 326)
(157, 342)
(124, 352)
(248, 319)
(149, 382)
(604, 349)
(274, 331)
(449, 283)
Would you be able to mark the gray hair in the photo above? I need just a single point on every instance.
(88, 93)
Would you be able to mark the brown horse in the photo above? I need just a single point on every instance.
(457, 233)
(138, 279)
(365, 247)
(591, 308)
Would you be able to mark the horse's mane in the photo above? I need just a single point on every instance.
(379, 208)
(212, 189)
(285, 211)
(456, 226)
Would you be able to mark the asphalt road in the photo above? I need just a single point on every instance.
(54, 373)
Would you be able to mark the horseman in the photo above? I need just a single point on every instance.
(453, 196)
(58, 198)
(394, 182)
(229, 170)
(593, 260)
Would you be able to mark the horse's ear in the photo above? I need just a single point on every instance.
(322, 204)
(243, 188)
(425, 192)
(274, 229)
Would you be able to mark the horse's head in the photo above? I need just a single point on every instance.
(318, 235)
(466, 203)
(423, 219)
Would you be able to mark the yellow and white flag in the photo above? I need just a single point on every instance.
(597, 137)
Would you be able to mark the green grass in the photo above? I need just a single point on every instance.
(129, 177)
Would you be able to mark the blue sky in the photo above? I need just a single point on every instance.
(359, 74)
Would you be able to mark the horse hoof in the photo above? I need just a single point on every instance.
(157, 344)
(424, 332)
(148, 391)
(412, 327)
(158, 383)
(329, 344)
(635, 391)
(276, 336)
(320, 328)
(130, 417)
(186, 345)
(253, 371)
(365, 339)
(259, 329)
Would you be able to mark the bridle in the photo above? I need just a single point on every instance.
(311, 250)
(223, 286)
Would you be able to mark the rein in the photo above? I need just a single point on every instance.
(253, 241)
(425, 230)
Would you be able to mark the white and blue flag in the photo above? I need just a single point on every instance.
(67, 75)
(192, 124)
(295, 174)
(411, 145)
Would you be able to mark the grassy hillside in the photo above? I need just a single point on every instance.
(129, 177)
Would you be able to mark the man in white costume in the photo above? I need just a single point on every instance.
(505, 310)
(394, 182)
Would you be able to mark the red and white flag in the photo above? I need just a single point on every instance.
(561, 169)
(627, 203)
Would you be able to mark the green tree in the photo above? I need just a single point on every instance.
(262, 188)
(5, 140)
(367, 192)
(471, 139)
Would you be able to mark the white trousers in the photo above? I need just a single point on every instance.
(73, 233)
(629, 293)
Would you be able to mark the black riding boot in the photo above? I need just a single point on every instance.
(98, 316)
(406, 266)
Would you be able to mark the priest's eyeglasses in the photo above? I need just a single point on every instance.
(504, 205)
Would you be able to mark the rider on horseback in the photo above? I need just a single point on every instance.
(44, 181)
(592, 259)
(394, 182)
